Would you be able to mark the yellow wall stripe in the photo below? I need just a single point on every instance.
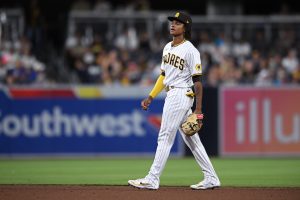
(88, 92)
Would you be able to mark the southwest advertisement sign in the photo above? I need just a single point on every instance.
(60, 122)
(259, 121)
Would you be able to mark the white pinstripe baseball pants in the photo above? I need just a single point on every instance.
(177, 106)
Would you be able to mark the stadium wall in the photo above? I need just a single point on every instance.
(91, 120)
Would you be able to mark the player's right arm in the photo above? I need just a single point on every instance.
(158, 87)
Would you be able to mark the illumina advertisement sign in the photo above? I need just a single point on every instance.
(259, 121)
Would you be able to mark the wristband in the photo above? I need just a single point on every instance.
(200, 116)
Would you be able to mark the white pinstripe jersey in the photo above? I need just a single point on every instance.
(180, 63)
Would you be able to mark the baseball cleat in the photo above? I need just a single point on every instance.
(204, 185)
(142, 184)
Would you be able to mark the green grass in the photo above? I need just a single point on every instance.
(252, 172)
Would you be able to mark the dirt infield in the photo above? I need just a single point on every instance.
(82, 192)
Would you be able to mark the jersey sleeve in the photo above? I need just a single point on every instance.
(162, 65)
(194, 63)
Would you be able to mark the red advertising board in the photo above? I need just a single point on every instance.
(259, 121)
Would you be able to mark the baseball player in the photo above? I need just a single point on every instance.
(180, 71)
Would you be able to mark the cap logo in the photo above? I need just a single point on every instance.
(177, 14)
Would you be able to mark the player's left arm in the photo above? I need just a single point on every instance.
(195, 63)
(198, 93)
(158, 87)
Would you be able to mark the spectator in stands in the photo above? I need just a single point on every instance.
(296, 75)
(97, 44)
(213, 77)
(19, 65)
(206, 45)
(223, 47)
(74, 48)
(114, 66)
(275, 61)
(264, 77)
(227, 71)
(88, 57)
(248, 76)
(286, 38)
(81, 70)
(131, 58)
(132, 73)
(241, 49)
(290, 62)
(282, 77)
(238, 75)
(144, 42)
(256, 58)
(17, 74)
(128, 39)
(259, 42)
(158, 44)
(102, 62)
(206, 61)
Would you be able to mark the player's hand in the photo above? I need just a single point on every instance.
(146, 103)
(199, 113)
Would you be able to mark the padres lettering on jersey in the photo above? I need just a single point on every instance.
(173, 60)
(180, 63)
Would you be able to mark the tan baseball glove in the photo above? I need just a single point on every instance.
(192, 124)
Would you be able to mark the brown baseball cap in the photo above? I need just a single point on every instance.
(182, 17)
